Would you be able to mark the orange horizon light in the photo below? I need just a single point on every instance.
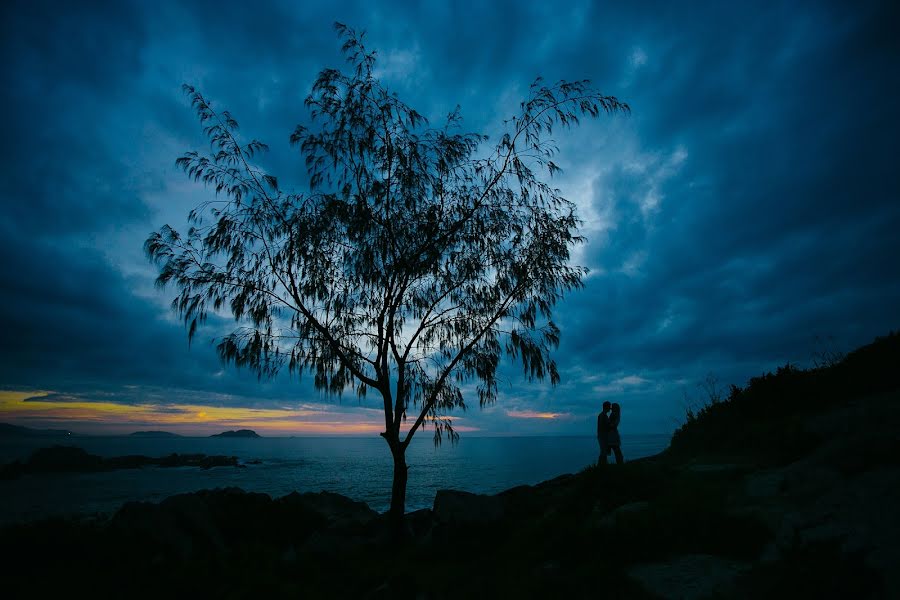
(188, 418)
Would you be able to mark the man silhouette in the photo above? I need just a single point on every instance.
(613, 440)
(603, 432)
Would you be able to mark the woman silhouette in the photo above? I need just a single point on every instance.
(613, 441)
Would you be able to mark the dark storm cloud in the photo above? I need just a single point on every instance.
(748, 204)
(69, 319)
(66, 70)
(779, 226)
(72, 321)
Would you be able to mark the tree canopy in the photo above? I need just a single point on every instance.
(418, 256)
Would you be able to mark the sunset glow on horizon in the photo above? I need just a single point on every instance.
(531, 414)
(29, 409)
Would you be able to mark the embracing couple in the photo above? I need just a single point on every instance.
(608, 432)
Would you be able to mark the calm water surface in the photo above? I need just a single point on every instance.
(356, 467)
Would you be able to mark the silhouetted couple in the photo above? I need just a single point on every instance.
(608, 433)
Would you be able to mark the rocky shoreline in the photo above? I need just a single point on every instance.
(72, 459)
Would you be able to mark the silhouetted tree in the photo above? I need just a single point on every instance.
(416, 259)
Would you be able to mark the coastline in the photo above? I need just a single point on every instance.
(358, 469)
(809, 513)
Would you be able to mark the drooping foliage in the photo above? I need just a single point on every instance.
(416, 259)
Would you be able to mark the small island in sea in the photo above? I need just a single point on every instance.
(153, 434)
(240, 433)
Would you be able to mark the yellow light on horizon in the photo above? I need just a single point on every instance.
(13, 406)
(531, 414)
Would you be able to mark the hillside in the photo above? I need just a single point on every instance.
(9, 430)
(787, 489)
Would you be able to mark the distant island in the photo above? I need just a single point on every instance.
(240, 433)
(153, 434)
(9, 430)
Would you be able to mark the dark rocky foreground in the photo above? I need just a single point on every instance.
(788, 489)
(70, 459)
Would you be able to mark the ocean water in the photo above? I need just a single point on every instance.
(359, 468)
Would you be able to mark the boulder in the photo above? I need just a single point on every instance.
(607, 520)
(333, 542)
(688, 577)
(152, 529)
(860, 514)
(419, 524)
(193, 516)
(452, 506)
(339, 510)
(205, 521)
(767, 484)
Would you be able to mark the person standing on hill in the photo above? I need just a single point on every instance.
(603, 432)
(613, 441)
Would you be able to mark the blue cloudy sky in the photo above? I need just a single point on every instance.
(749, 204)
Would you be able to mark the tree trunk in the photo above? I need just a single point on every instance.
(398, 490)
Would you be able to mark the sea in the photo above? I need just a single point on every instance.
(359, 468)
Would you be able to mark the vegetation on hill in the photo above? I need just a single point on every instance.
(763, 422)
